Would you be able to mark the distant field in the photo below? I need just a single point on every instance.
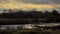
(14, 21)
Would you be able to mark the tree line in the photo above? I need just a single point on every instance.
(38, 16)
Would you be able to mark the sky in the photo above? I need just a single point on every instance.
(30, 4)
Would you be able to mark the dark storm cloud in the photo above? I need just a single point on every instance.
(41, 1)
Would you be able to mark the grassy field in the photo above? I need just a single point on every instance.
(26, 31)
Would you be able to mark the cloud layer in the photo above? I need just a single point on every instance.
(40, 1)
(30, 4)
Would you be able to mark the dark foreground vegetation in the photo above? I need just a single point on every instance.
(29, 17)
(29, 32)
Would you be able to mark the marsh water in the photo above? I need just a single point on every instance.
(28, 25)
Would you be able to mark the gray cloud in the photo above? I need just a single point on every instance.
(40, 1)
(4, 1)
(56, 1)
(34, 1)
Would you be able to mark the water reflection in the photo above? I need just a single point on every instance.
(28, 26)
